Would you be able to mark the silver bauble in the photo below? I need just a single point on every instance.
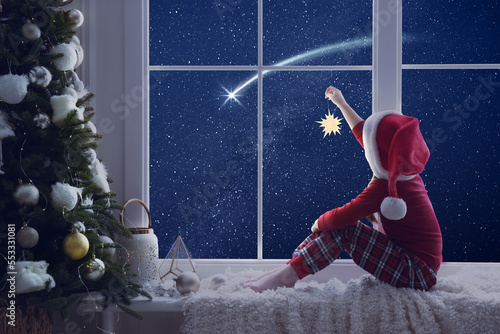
(26, 194)
(94, 269)
(187, 282)
(80, 54)
(77, 16)
(42, 120)
(79, 227)
(31, 31)
(27, 237)
(106, 250)
(40, 76)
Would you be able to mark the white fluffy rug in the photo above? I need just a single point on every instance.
(468, 302)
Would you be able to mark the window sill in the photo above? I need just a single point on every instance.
(343, 269)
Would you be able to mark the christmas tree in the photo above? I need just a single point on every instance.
(56, 207)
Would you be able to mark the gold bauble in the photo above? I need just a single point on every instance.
(75, 245)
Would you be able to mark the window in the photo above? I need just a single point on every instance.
(451, 81)
(239, 166)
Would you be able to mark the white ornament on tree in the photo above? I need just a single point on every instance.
(91, 155)
(32, 276)
(40, 76)
(87, 202)
(13, 88)
(62, 106)
(94, 269)
(26, 194)
(31, 31)
(75, 41)
(91, 126)
(77, 16)
(101, 182)
(27, 237)
(75, 83)
(65, 196)
(70, 91)
(110, 251)
(42, 120)
(5, 131)
(79, 227)
(100, 176)
(68, 60)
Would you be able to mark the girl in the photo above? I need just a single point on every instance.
(408, 252)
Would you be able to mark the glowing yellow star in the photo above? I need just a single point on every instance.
(330, 124)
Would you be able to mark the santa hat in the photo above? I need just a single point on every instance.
(396, 151)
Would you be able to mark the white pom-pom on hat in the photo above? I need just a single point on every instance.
(393, 208)
(13, 88)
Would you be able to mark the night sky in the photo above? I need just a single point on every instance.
(204, 145)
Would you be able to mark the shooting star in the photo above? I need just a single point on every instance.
(310, 54)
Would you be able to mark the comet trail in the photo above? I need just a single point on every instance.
(310, 54)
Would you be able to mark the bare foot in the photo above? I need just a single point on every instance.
(283, 277)
(259, 277)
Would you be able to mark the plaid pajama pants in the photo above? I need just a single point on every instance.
(371, 250)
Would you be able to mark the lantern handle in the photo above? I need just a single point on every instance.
(140, 202)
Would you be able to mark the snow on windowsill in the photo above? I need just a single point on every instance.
(344, 270)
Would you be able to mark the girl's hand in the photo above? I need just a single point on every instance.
(315, 227)
(334, 95)
(374, 218)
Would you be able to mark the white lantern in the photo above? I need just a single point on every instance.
(141, 250)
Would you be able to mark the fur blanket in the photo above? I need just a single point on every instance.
(467, 302)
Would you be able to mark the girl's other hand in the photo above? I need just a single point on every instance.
(315, 227)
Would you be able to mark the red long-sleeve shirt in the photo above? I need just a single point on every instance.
(418, 232)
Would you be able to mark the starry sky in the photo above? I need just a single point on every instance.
(204, 144)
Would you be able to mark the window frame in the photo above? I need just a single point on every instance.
(385, 23)
(386, 71)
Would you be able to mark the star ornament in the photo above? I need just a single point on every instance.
(330, 124)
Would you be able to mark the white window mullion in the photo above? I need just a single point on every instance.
(136, 116)
(386, 55)
(260, 131)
